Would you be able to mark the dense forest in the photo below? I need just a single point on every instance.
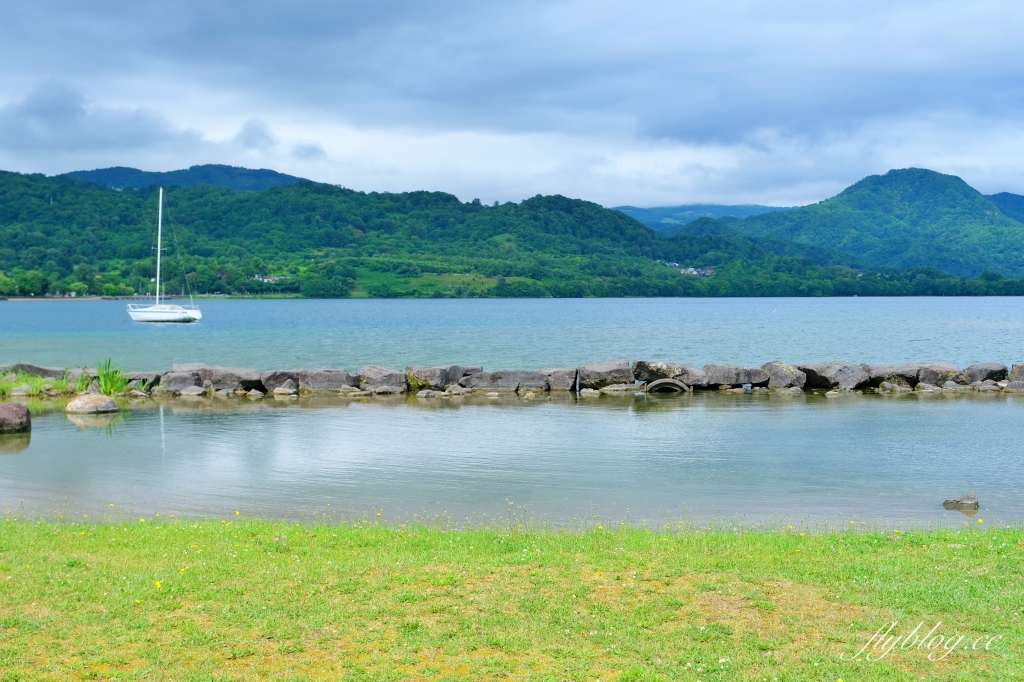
(63, 235)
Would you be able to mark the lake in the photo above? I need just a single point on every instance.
(750, 458)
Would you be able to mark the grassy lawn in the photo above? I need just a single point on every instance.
(233, 599)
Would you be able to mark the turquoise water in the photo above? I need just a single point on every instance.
(705, 456)
(752, 457)
(519, 333)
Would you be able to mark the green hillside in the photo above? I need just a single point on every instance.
(668, 217)
(61, 234)
(1010, 204)
(210, 174)
(906, 218)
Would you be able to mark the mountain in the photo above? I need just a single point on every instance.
(1010, 204)
(63, 234)
(232, 177)
(907, 218)
(667, 217)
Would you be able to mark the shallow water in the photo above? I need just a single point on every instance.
(519, 333)
(754, 457)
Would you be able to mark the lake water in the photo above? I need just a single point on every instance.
(519, 333)
(707, 456)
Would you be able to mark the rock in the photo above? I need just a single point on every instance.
(467, 371)
(222, 378)
(433, 378)
(21, 391)
(372, 377)
(174, 382)
(1016, 373)
(91, 403)
(984, 371)
(833, 393)
(781, 375)
(388, 390)
(986, 388)
(559, 378)
(589, 393)
(889, 387)
(36, 370)
(597, 375)
(952, 386)
(287, 388)
(331, 381)
(834, 374)
(254, 394)
(194, 391)
(94, 387)
(691, 376)
(1014, 387)
(14, 418)
(458, 390)
(791, 391)
(652, 370)
(922, 386)
(275, 378)
(731, 375)
(137, 394)
(144, 380)
(223, 394)
(966, 501)
(507, 381)
(618, 388)
(428, 393)
(493, 394)
(936, 373)
(895, 374)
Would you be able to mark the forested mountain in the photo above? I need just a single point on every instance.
(1010, 204)
(668, 217)
(908, 218)
(211, 174)
(62, 234)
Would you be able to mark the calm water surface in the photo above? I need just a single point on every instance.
(519, 333)
(706, 456)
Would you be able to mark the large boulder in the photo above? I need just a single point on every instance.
(597, 375)
(372, 377)
(14, 418)
(432, 378)
(176, 381)
(91, 403)
(968, 501)
(834, 374)
(652, 370)
(277, 377)
(983, 371)
(231, 378)
(937, 373)
(781, 375)
(507, 381)
(1016, 373)
(36, 370)
(145, 380)
(327, 381)
(732, 375)
(560, 378)
(905, 375)
(691, 376)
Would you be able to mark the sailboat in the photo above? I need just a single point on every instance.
(158, 312)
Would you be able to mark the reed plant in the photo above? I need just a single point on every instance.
(110, 379)
(233, 599)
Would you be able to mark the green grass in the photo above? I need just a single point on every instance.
(232, 599)
(35, 384)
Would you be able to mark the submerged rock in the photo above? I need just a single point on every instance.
(21, 391)
(287, 388)
(597, 375)
(255, 394)
(91, 403)
(14, 418)
(966, 501)
(589, 393)
(193, 391)
(781, 375)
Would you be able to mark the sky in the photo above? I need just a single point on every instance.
(641, 103)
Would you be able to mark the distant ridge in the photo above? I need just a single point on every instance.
(668, 217)
(219, 175)
(1010, 204)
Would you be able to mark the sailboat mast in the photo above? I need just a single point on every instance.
(159, 229)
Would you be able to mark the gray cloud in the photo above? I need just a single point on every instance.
(56, 117)
(803, 93)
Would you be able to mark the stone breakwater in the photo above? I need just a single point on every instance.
(588, 380)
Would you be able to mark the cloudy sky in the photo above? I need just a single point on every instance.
(643, 103)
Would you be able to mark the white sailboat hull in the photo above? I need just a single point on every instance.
(163, 313)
